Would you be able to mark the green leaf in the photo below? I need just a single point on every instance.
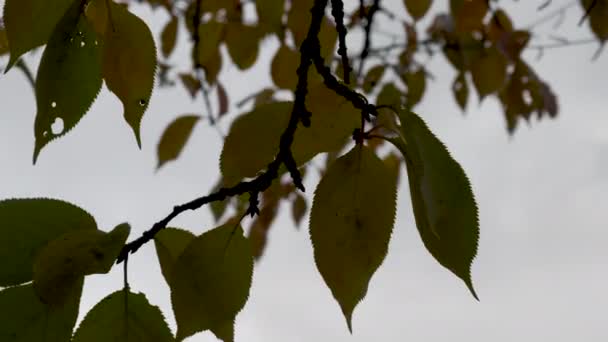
(29, 23)
(332, 123)
(129, 64)
(390, 95)
(351, 221)
(210, 281)
(444, 205)
(65, 260)
(26, 226)
(416, 86)
(24, 318)
(417, 8)
(117, 318)
(597, 18)
(170, 243)
(174, 138)
(168, 37)
(69, 77)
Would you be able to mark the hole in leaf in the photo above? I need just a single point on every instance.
(510, 68)
(457, 85)
(142, 102)
(527, 97)
(57, 126)
(96, 43)
(53, 104)
(82, 43)
(524, 79)
(477, 35)
(45, 133)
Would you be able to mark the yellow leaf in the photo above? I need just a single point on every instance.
(332, 122)
(283, 68)
(30, 23)
(174, 138)
(69, 78)
(417, 8)
(210, 281)
(129, 64)
(168, 37)
(351, 221)
(63, 262)
(298, 22)
(444, 205)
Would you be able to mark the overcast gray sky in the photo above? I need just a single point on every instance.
(541, 271)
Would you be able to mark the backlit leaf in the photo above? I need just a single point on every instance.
(416, 86)
(444, 205)
(129, 64)
(62, 263)
(298, 22)
(26, 226)
(390, 95)
(243, 43)
(116, 318)
(69, 78)
(489, 73)
(170, 243)
(168, 37)
(351, 221)
(283, 68)
(24, 318)
(210, 281)
(417, 8)
(30, 23)
(333, 121)
(174, 138)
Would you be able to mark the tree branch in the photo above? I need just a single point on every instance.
(337, 10)
(309, 50)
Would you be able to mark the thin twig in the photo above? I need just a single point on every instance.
(587, 12)
(367, 38)
(337, 10)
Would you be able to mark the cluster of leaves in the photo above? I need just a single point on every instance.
(55, 245)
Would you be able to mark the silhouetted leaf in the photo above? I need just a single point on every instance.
(62, 263)
(4, 49)
(598, 18)
(170, 243)
(168, 37)
(283, 68)
(372, 78)
(444, 205)
(461, 91)
(24, 318)
(116, 318)
(351, 221)
(489, 73)
(390, 95)
(222, 99)
(69, 78)
(417, 8)
(174, 138)
(298, 208)
(468, 14)
(190, 82)
(270, 14)
(129, 64)
(26, 226)
(30, 23)
(243, 43)
(210, 281)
